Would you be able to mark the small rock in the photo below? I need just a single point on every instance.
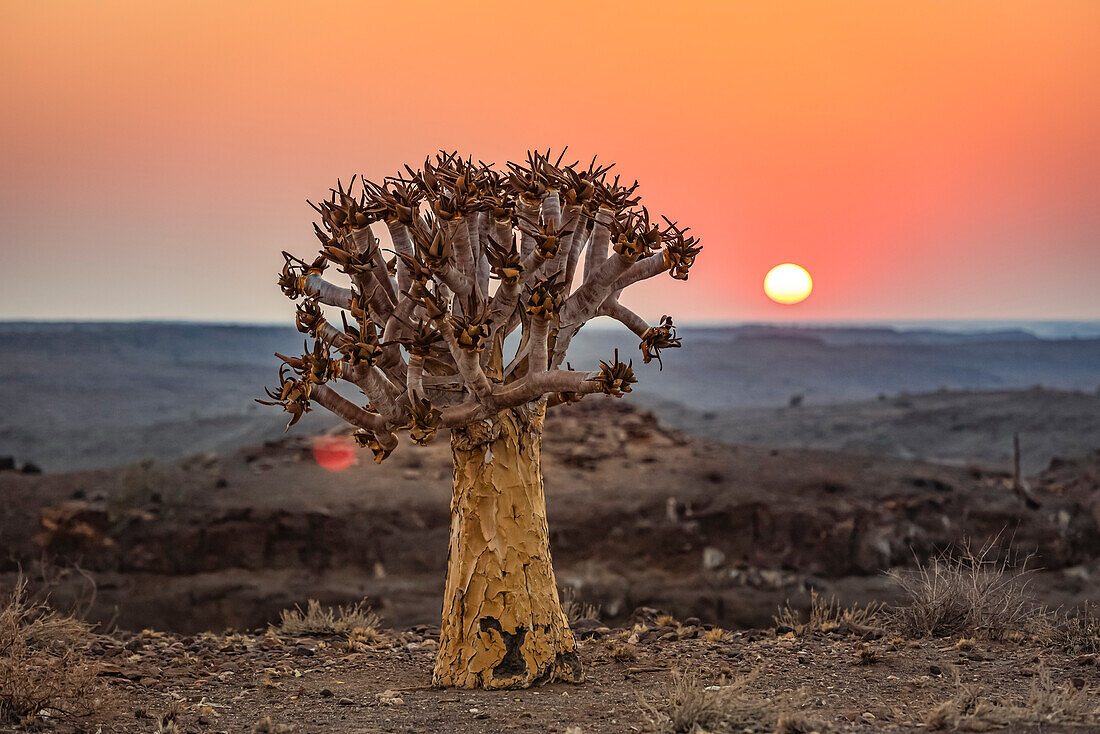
(345, 702)
(389, 698)
(935, 670)
(326, 693)
(304, 651)
(713, 558)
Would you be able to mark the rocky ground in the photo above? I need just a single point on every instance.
(659, 675)
(640, 516)
(208, 551)
(952, 427)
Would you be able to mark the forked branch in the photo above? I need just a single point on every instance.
(442, 264)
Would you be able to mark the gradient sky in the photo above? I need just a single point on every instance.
(922, 160)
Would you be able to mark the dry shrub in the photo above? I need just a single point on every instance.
(972, 709)
(969, 593)
(866, 655)
(687, 707)
(1077, 633)
(267, 725)
(168, 722)
(355, 619)
(826, 615)
(717, 634)
(42, 662)
(358, 640)
(623, 652)
(795, 722)
(575, 610)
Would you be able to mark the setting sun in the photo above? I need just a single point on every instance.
(788, 283)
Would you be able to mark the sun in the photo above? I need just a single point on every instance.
(788, 283)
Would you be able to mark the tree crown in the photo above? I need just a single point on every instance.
(444, 263)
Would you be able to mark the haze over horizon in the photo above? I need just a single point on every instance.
(922, 162)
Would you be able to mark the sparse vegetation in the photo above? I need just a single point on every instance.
(357, 640)
(267, 725)
(973, 709)
(968, 593)
(689, 707)
(1079, 632)
(624, 652)
(168, 722)
(717, 634)
(576, 610)
(866, 655)
(353, 621)
(43, 667)
(826, 615)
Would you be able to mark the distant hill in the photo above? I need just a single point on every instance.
(81, 395)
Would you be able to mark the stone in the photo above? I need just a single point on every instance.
(713, 558)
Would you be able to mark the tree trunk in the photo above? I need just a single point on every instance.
(503, 625)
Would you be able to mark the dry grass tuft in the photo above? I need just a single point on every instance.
(688, 707)
(972, 709)
(267, 725)
(794, 722)
(826, 615)
(623, 652)
(168, 722)
(866, 655)
(574, 610)
(358, 640)
(969, 593)
(717, 634)
(1077, 633)
(354, 619)
(43, 667)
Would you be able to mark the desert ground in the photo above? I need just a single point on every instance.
(660, 675)
(181, 523)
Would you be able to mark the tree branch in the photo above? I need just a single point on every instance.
(327, 293)
(644, 269)
(623, 315)
(332, 401)
(469, 366)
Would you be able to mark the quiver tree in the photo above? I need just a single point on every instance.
(442, 264)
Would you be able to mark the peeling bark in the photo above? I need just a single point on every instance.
(503, 625)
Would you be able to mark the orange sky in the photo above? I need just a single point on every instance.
(922, 160)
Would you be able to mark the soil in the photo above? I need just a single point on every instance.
(640, 515)
(843, 680)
